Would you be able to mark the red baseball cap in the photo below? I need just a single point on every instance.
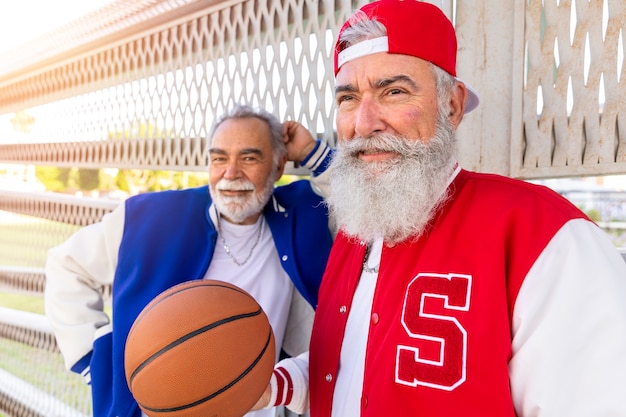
(414, 28)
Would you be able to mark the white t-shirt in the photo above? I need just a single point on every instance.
(349, 387)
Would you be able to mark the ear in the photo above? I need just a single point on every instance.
(280, 168)
(457, 103)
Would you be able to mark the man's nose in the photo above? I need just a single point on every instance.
(368, 118)
(232, 170)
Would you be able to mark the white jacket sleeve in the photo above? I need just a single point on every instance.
(76, 271)
(299, 326)
(569, 329)
(317, 162)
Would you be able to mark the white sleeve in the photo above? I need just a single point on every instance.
(317, 162)
(76, 271)
(299, 325)
(321, 184)
(569, 329)
(289, 384)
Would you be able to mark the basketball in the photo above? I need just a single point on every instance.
(200, 348)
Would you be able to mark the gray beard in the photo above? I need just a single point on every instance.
(238, 209)
(394, 199)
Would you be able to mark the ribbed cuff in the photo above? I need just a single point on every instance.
(289, 384)
(318, 159)
(284, 387)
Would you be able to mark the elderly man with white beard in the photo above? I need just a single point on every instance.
(447, 292)
(271, 241)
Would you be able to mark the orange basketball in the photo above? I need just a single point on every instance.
(200, 348)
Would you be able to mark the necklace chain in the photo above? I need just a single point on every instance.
(227, 249)
(366, 267)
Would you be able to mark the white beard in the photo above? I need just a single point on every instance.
(239, 208)
(394, 199)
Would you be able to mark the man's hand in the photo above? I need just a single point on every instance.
(298, 140)
(264, 400)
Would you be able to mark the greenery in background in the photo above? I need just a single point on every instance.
(39, 367)
(24, 243)
(593, 214)
(25, 240)
(22, 302)
(53, 178)
(134, 181)
(617, 235)
(29, 303)
(129, 181)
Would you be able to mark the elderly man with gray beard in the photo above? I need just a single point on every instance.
(447, 293)
(271, 241)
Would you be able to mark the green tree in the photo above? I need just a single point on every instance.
(88, 179)
(594, 215)
(53, 178)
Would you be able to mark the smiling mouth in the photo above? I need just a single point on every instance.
(234, 192)
(374, 154)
